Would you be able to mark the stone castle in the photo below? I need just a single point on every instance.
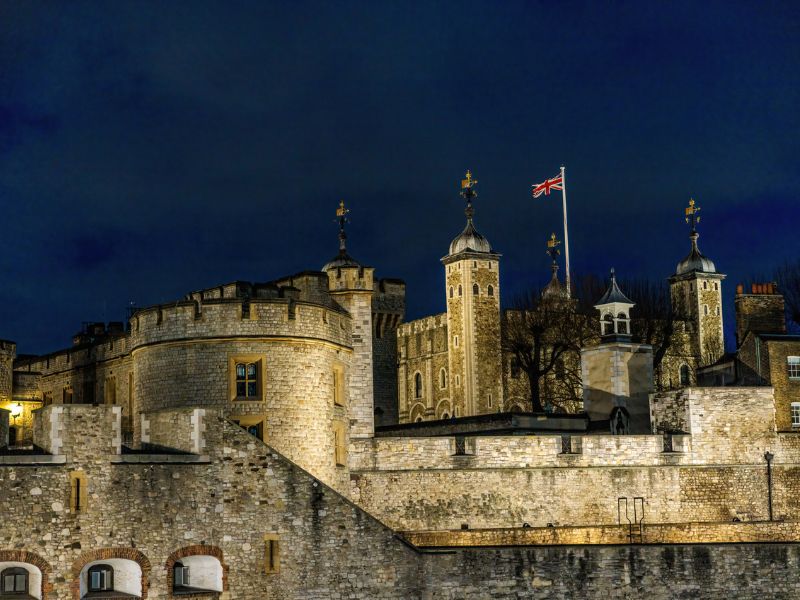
(296, 439)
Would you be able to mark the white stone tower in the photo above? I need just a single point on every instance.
(696, 291)
(618, 373)
(351, 285)
(472, 288)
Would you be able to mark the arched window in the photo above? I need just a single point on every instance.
(608, 324)
(684, 375)
(101, 578)
(459, 289)
(622, 323)
(705, 285)
(417, 386)
(451, 291)
(716, 286)
(180, 575)
(490, 290)
(445, 415)
(443, 378)
(418, 419)
(705, 309)
(14, 581)
(475, 289)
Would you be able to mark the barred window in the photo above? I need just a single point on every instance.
(793, 363)
(246, 380)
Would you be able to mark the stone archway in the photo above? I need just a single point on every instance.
(106, 554)
(23, 556)
(195, 550)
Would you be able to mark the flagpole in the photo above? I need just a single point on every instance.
(566, 234)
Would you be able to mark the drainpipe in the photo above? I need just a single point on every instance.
(769, 456)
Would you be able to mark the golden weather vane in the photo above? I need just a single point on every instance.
(468, 182)
(552, 247)
(691, 214)
(342, 211)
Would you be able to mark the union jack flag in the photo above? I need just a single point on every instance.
(556, 183)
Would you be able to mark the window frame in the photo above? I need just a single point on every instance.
(248, 421)
(272, 553)
(419, 386)
(338, 386)
(793, 368)
(100, 569)
(339, 444)
(15, 572)
(185, 580)
(794, 414)
(259, 360)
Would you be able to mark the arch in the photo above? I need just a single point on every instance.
(417, 413)
(114, 557)
(516, 408)
(451, 291)
(443, 378)
(39, 584)
(684, 376)
(622, 323)
(418, 390)
(443, 410)
(608, 324)
(197, 557)
(490, 290)
(475, 289)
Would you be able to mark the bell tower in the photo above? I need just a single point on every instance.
(472, 291)
(696, 291)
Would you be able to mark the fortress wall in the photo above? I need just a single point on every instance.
(4, 418)
(488, 498)
(656, 572)
(328, 548)
(182, 429)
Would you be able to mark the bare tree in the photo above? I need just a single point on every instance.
(788, 278)
(541, 333)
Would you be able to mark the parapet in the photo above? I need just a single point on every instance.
(420, 325)
(348, 279)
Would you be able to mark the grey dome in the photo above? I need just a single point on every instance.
(343, 259)
(695, 261)
(470, 239)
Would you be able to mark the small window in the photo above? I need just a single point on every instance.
(608, 324)
(246, 380)
(793, 363)
(474, 264)
(14, 581)
(101, 578)
(705, 309)
(515, 368)
(66, 395)
(716, 311)
(455, 341)
(475, 289)
(795, 414)
(451, 291)
(489, 400)
(622, 323)
(417, 385)
(340, 449)
(490, 290)
(684, 375)
(180, 575)
(716, 286)
(443, 379)
(79, 493)
(459, 289)
(338, 386)
(458, 384)
(271, 553)
(110, 390)
(705, 285)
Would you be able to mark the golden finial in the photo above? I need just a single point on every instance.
(552, 247)
(468, 182)
(341, 211)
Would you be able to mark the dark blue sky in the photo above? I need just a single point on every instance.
(151, 148)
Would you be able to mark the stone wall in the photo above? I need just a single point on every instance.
(423, 348)
(388, 311)
(8, 351)
(4, 417)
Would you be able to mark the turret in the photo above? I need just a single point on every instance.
(472, 291)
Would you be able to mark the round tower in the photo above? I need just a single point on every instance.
(472, 289)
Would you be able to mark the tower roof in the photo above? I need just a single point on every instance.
(469, 239)
(614, 294)
(694, 261)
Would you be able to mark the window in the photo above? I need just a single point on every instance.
(716, 286)
(79, 493)
(451, 291)
(443, 379)
(110, 390)
(14, 581)
(246, 380)
(417, 385)
(455, 341)
(795, 414)
(474, 264)
(716, 311)
(475, 289)
(246, 377)
(490, 290)
(705, 309)
(608, 324)
(101, 578)
(180, 575)
(338, 386)
(489, 400)
(340, 449)
(271, 553)
(459, 289)
(458, 384)
(514, 368)
(252, 424)
(622, 323)
(66, 395)
(684, 375)
(793, 363)
(705, 285)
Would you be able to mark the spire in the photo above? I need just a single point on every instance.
(342, 259)
(469, 239)
(695, 261)
(553, 288)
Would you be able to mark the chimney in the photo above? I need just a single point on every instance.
(761, 311)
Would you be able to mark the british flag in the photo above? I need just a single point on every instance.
(556, 183)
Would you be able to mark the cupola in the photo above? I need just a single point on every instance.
(615, 313)
(469, 239)
(694, 261)
(343, 259)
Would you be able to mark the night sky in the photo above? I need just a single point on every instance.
(148, 149)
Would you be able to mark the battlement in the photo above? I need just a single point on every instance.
(233, 317)
(356, 278)
(421, 325)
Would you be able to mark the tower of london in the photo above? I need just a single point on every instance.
(296, 438)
